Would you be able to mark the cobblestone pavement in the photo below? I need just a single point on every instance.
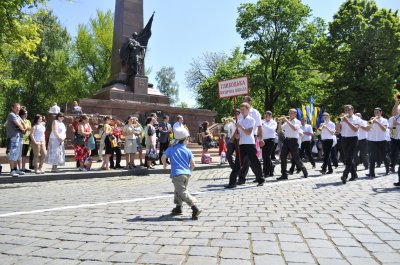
(124, 220)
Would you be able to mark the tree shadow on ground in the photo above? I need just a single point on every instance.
(386, 190)
(162, 218)
(323, 185)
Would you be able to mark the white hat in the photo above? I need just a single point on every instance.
(181, 133)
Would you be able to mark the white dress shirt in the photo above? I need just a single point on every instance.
(394, 123)
(177, 125)
(306, 128)
(346, 130)
(326, 134)
(55, 109)
(246, 123)
(268, 129)
(376, 134)
(362, 134)
(289, 132)
(256, 116)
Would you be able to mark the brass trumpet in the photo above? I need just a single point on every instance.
(397, 96)
(282, 118)
(371, 121)
(339, 119)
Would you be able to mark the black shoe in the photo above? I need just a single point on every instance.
(282, 178)
(177, 210)
(260, 184)
(241, 183)
(118, 166)
(196, 212)
(329, 172)
(397, 184)
(305, 173)
(290, 172)
(392, 169)
(323, 172)
(352, 179)
(230, 186)
(255, 181)
(98, 161)
(298, 171)
(370, 175)
(344, 179)
(27, 170)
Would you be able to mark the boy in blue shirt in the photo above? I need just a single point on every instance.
(181, 160)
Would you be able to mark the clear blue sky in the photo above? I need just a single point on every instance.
(183, 30)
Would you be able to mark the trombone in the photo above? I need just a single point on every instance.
(339, 119)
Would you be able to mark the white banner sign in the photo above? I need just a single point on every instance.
(234, 87)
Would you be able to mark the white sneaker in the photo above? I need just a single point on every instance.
(20, 172)
(14, 173)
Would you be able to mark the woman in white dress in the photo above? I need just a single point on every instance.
(130, 146)
(56, 150)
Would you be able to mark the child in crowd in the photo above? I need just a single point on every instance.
(222, 148)
(181, 159)
(38, 143)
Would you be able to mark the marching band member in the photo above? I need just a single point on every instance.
(377, 141)
(362, 144)
(291, 127)
(308, 133)
(327, 129)
(348, 126)
(268, 135)
(247, 146)
(394, 122)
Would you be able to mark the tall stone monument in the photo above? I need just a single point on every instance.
(128, 80)
(128, 91)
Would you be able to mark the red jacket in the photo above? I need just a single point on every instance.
(222, 146)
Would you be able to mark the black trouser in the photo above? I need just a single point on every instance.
(231, 148)
(248, 152)
(163, 147)
(394, 151)
(339, 148)
(306, 149)
(268, 168)
(274, 151)
(361, 155)
(377, 152)
(349, 147)
(290, 145)
(327, 148)
(117, 151)
(334, 159)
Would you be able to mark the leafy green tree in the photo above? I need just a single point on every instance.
(51, 78)
(218, 67)
(166, 83)
(279, 34)
(360, 55)
(19, 31)
(182, 104)
(93, 47)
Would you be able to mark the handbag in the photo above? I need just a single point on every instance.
(113, 141)
(152, 155)
(78, 139)
(91, 144)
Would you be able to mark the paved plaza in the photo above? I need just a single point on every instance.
(125, 220)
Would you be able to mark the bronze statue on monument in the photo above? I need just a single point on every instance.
(133, 51)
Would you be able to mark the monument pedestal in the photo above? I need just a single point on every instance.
(120, 91)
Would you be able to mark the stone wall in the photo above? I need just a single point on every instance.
(121, 109)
